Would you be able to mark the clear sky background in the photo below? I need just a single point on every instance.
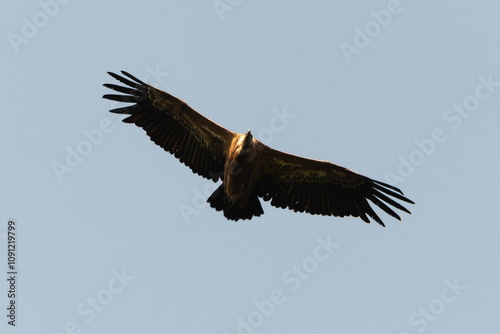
(114, 235)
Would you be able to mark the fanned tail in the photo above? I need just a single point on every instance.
(232, 211)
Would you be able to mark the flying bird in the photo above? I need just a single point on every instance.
(247, 168)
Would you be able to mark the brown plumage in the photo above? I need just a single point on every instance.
(248, 168)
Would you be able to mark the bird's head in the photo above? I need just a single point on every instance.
(247, 140)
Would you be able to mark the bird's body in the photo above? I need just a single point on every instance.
(248, 168)
(241, 168)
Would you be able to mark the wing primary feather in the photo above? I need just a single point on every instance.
(124, 80)
(390, 201)
(383, 187)
(388, 186)
(134, 78)
(122, 110)
(391, 193)
(362, 212)
(121, 89)
(366, 208)
(375, 217)
(378, 202)
(120, 98)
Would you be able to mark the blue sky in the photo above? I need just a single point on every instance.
(114, 234)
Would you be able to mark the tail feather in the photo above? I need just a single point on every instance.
(232, 211)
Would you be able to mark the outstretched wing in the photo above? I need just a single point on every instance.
(320, 187)
(170, 123)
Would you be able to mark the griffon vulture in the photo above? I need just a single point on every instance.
(248, 168)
